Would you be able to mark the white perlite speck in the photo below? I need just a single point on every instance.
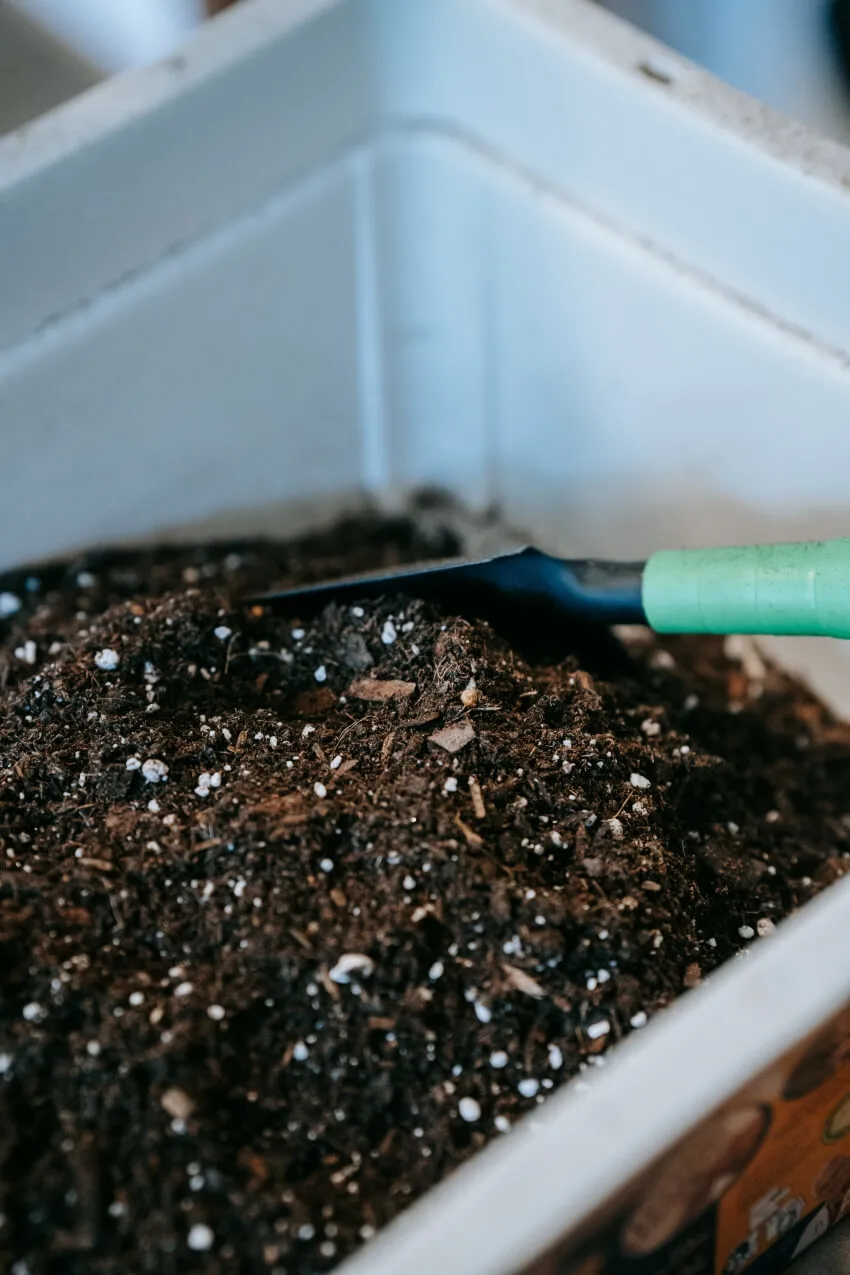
(137, 998)
(746, 931)
(5, 1063)
(498, 1059)
(615, 827)
(300, 1052)
(33, 1012)
(132, 763)
(321, 673)
(28, 652)
(388, 633)
(638, 1020)
(10, 604)
(556, 1058)
(215, 1012)
(528, 1087)
(764, 927)
(436, 971)
(469, 1110)
(502, 1123)
(107, 660)
(154, 806)
(351, 963)
(200, 1238)
(597, 1030)
(184, 989)
(154, 771)
(650, 728)
(483, 1012)
(639, 781)
(207, 781)
(336, 762)
(326, 865)
(222, 632)
(320, 790)
(450, 785)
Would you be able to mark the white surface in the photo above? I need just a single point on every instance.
(334, 249)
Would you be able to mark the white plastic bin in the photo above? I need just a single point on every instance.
(345, 248)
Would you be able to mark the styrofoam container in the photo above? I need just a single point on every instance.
(340, 249)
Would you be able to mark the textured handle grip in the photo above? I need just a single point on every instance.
(800, 589)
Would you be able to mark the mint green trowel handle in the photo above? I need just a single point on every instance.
(800, 589)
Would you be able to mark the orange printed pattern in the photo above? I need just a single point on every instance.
(803, 1170)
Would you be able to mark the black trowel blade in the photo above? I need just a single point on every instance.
(419, 580)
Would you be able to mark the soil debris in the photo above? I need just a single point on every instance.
(277, 955)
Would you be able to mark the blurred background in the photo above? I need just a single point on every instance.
(51, 50)
(792, 54)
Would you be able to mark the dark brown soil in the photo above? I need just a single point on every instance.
(188, 1083)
